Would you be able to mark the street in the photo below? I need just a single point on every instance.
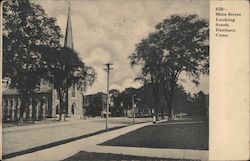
(16, 139)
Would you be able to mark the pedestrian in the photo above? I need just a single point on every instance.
(154, 118)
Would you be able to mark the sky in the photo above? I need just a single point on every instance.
(108, 30)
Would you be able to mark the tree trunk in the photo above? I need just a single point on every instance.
(33, 109)
(61, 104)
(162, 112)
(169, 93)
(156, 99)
(63, 99)
(66, 103)
(156, 111)
(170, 111)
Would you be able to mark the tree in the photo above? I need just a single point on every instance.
(67, 70)
(198, 104)
(145, 102)
(114, 93)
(186, 40)
(180, 44)
(149, 57)
(116, 108)
(27, 34)
(180, 100)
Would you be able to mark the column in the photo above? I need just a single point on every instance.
(45, 107)
(18, 107)
(50, 112)
(8, 108)
(13, 108)
(42, 108)
(4, 108)
(30, 108)
(37, 109)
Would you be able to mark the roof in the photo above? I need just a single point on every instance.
(68, 42)
(95, 94)
(13, 91)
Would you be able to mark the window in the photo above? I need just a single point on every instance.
(73, 109)
(57, 109)
(73, 93)
(57, 95)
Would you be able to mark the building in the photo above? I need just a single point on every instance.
(41, 100)
(95, 104)
(75, 102)
(44, 103)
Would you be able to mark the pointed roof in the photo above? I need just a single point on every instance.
(68, 42)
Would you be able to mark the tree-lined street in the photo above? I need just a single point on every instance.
(47, 80)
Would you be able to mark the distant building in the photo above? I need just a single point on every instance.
(45, 99)
(95, 104)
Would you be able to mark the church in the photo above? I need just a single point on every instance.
(45, 99)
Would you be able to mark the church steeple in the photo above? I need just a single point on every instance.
(68, 42)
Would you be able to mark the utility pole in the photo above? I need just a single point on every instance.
(107, 69)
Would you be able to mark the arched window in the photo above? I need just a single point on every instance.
(73, 92)
(57, 109)
(73, 108)
(57, 96)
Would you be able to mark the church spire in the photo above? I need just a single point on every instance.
(68, 42)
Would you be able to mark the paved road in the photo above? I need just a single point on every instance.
(22, 138)
(92, 144)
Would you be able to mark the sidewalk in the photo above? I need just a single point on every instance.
(90, 144)
(69, 121)
(20, 139)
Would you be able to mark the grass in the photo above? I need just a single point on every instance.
(91, 156)
(175, 136)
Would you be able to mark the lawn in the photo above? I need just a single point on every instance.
(175, 136)
(90, 156)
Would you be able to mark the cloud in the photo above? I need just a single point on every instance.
(107, 31)
(191, 87)
(98, 57)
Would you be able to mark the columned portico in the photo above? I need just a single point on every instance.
(39, 106)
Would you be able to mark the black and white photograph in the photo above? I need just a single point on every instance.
(91, 80)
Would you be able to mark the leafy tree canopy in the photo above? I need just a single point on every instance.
(27, 34)
(179, 44)
(66, 69)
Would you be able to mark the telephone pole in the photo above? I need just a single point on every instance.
(107, 69)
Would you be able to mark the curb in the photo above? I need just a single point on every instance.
(37, 126)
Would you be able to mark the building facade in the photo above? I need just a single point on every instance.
(39, 105)
(95, 104)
